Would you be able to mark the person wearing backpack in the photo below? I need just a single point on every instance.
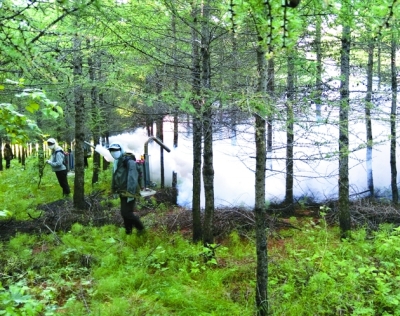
(126, 183)
(8, 154)
(56, 162)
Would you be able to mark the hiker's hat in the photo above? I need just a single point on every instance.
(51, 141)
(114, 147)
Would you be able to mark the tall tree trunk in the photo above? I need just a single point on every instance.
(379, 73)
(95, 120)
(368, 121)
(260, 214)
(106, 136)
(23, 156)
(176, 129)
(289, 135)
(40, 151)
(208, 177)
(80, 119)
(197, 129)
(96, 141)
(259, 209)
(318, 79)
(160, 135)
(344, 211)
(234, 86)
(176, 112)
(271, 91)
(393, 116)
(208, 167)
(176, 73)
(41, 158)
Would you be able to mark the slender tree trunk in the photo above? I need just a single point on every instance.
(260, 215)
(393, 116)
(176, 72)
(271, 91)
(176, 112)
(41, 158)
(208, 178)
(105, 134)
(176, 129)
(40, 151)
(379, 65)
(106, 139)
(197, 130)
(208, 167)
(80, 119)
(23, 156)
(259, 209)
(234, 86)
(318, 80)
(368, 121)
(94, 113)
(289, 135)
(344, 211)
(17, 152)
(160, 135)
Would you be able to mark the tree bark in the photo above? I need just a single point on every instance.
(160, 135)
(23, 156)
(318, 79)
(208, 178)
(271, 88)
(344, 211)
(259, 209)
(176, 86)
(95, 120)
(289, 136)
(368, 121)
(80, 119)
(208, 167)
(197, 130)
(393, 116)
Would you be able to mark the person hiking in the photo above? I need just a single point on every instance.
(8, 154)
(126, 183)
(56, 162)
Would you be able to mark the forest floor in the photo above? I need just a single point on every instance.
(60, 215)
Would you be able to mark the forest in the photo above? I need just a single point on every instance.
(297, 96)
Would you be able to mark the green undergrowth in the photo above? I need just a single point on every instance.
(21, 189)
(102, 271)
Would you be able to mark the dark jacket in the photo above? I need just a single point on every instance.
(8, 154)
(126, 176)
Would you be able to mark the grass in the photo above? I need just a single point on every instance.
(101, 271)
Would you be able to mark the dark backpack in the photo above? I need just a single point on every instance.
(127, 157)
(66, 157)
